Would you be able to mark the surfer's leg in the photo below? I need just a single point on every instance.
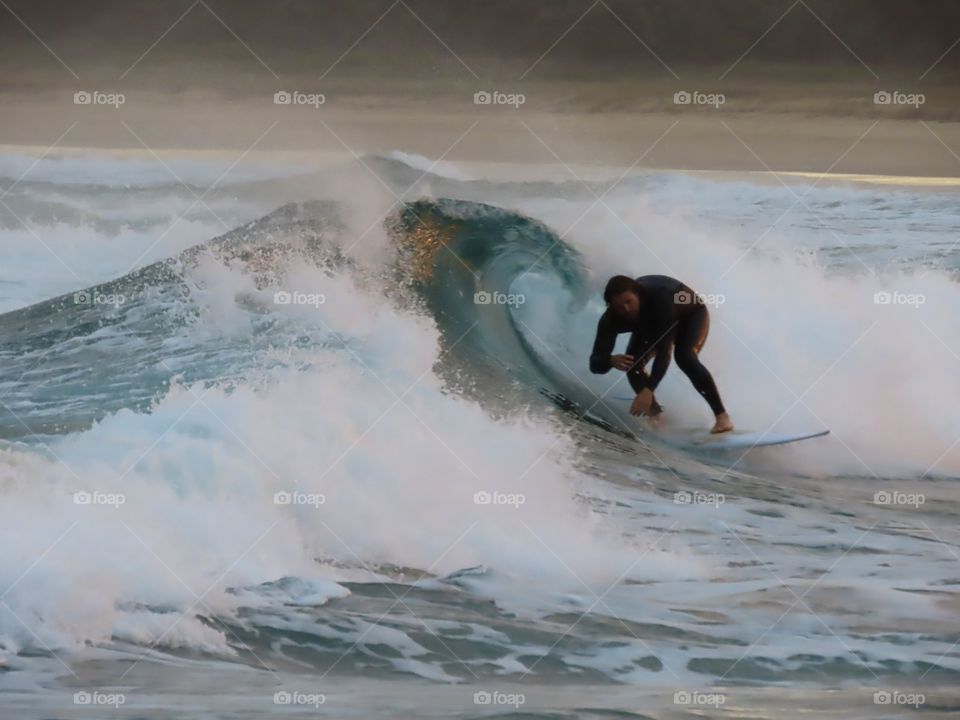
(691, 335)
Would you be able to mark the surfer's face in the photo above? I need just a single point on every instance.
(626, 305)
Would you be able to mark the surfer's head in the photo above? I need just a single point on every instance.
(622, 295)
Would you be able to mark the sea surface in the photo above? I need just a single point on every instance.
(290, 441)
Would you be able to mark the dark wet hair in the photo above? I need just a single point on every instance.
(619, 284)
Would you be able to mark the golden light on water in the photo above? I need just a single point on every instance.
(422, 244)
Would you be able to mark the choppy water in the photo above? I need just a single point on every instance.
(347, 448)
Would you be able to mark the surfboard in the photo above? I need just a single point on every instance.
(700, 440)
(737, 439)
(744, 440)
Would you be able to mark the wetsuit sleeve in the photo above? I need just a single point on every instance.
(661, 362)
(666, 324)
(603, 346)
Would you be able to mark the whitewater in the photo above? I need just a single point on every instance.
(284, 440)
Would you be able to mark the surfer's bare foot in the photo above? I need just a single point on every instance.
(723, 424)
(642, 402)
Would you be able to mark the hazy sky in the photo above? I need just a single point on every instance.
(602, 34)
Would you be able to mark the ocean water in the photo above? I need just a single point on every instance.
(289, 442)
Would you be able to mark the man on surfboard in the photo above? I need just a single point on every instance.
(662, 314)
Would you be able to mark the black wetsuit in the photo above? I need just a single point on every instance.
(671, 316)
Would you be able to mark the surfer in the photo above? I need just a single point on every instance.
(662, 314)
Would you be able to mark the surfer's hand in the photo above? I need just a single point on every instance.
(642, 402)
(622, 362)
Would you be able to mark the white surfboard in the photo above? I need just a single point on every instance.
(743, 440)
(736, 439)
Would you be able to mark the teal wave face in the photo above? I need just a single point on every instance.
(468, 261)
(72, 360)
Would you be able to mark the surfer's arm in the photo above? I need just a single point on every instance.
(664, 345)
(603, 346)
(661, 362)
